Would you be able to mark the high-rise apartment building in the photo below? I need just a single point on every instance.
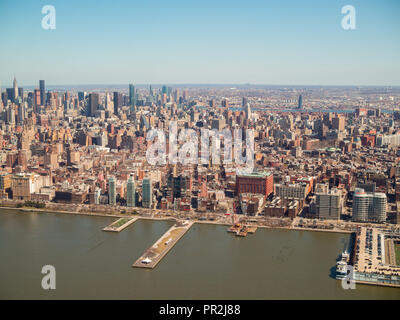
(112, 191)
(131, 193)
(329, 204)
(369, 207)
(147, 193)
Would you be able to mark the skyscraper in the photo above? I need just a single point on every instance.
(300, 104)
(81, 95)
(112, 193)
(132, 98)
(21, 113)
(21, 93)
(248, 111)
(36, 99)
(339, 123)
(117, 102)
(15, 86)
(147, 193)
(107, 102)
(42, 92)
(11, 94)
(10, 115)
(244, 102)
(93, 104)
(131, 193)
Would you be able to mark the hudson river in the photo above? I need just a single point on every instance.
(207, 263)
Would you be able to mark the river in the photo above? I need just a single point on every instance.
(207, 263)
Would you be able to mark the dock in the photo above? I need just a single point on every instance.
(234, 229)
(158, 250)
(242, 230)
(120, 224)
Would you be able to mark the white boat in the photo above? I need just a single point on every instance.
(146, 261)
(168, 241)
(341, 270)
(341, 265)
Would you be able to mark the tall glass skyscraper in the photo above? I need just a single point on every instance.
(112, 191)
(131, 193)
(42, 92)
(147, 193)
(300, 104)
(117, 102)
(132, 98)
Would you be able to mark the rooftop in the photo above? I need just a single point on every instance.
(255, 174)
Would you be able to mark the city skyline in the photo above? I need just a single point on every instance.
(170, 150)
(256, 42)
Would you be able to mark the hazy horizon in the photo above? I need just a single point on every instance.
(224, 85)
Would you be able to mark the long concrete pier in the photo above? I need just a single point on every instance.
(120, 224)
(158, 250)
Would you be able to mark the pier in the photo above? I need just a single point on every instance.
(120, 224)
(158, 250)
(242, 230)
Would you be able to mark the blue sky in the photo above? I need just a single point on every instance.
(160, 41)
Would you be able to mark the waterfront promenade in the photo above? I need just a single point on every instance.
(219, 219)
